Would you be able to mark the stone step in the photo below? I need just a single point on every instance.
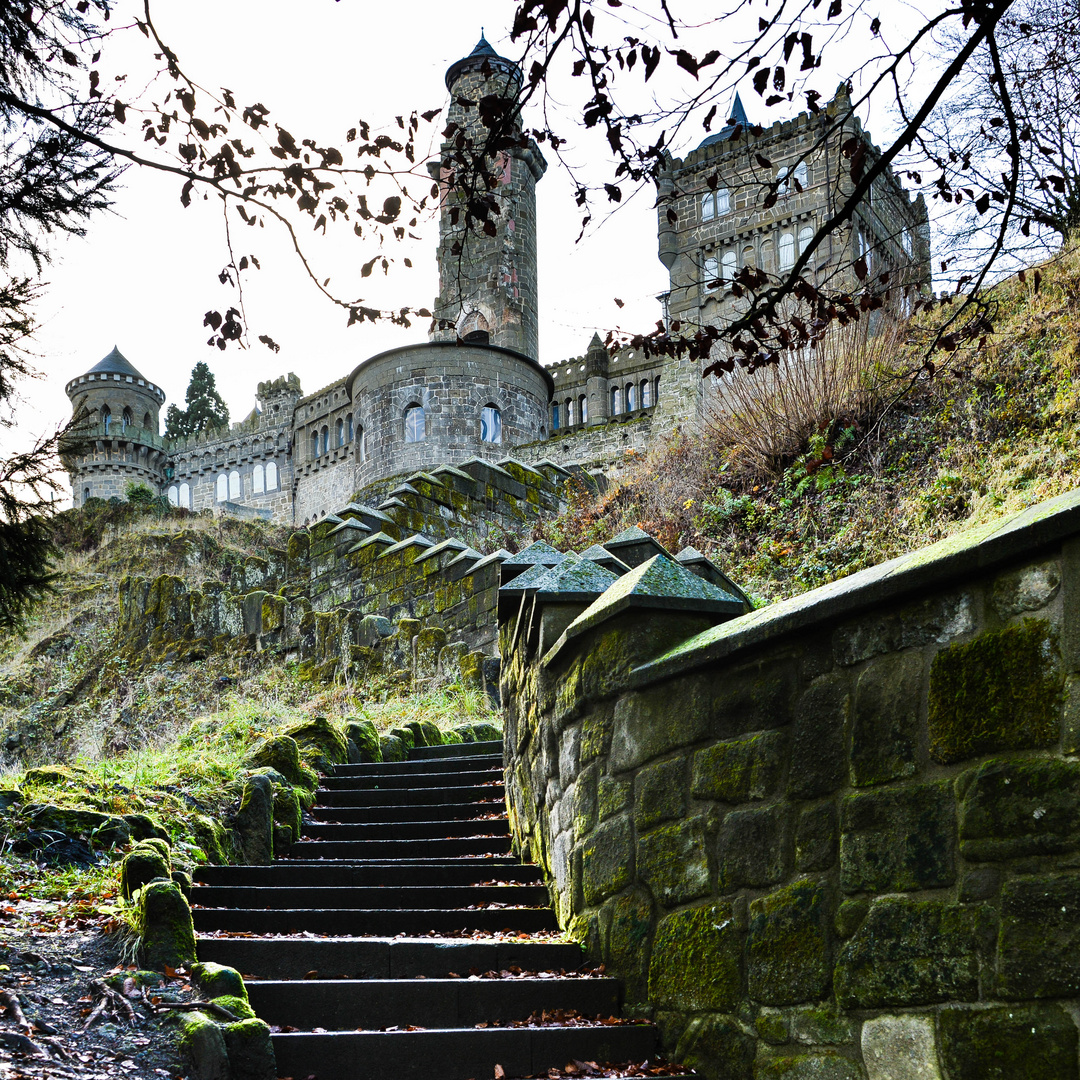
(383, 958)
(333, 873)
(376, 922)
(393, 796)
(373, 780)
(412, 850)
(457, 1053)
(474, 749)
(421, 812)
(455, 763)
(406, 830)
(376, 896)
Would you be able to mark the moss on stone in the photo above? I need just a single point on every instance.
(717, 1046)
(1014, 1042)
(282, 752)
(210, 835)
(1001, 691)
(365, 736)
(673, 861)
(251, 1052)
(202, 1044)
(216, 979)
(322, 743)
(139, 867)
(739, 770)
(813, 1065)
(165, 926)
(393, 749)
(788, 945)
(237, 1005)
(696, 960)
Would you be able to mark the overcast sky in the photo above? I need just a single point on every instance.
(142, 277)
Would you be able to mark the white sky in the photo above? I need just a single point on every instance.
(142, 278)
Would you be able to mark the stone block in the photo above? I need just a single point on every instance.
(1039, 941)
(627, 923)
(936, 620)
(613, 794)
(885, 719)
(660, 793)
(914, 952)
(254, 819)
(739, 770)
(812, 1065)
(756, 697)
(752, 848)
(788, 945)
(900, 1048)
(1001, 691)
(607, 860)
(696, 960)
(819, 738)
(673, 861)
(717, 1046)
(1012, 1042)
(821, 1025)
(1012, 809)
(652, 722)
(898, 840)
(816, 838)
(1026, 589)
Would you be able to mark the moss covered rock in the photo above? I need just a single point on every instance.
(139, 867)
(216, 980)
(393, 749)
(322, 743)
(697, 960)
(202, 1044)
(282, 753)
(788, 945)
(405, 736)
(165, 926)
(238, 1006)
(211, 837)
(144, 827)
(162, 847)
(254, 820)
(365, 736)
(1014, 1042)
(101, 830)
(717, 1046)
(251, 1053)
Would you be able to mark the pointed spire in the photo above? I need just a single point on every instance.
(738, 113)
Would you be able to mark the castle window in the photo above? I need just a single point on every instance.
(806, 234)
(787, 251)
(569, 412)
(348, 428)
(174, 495)
(415, 424)
(711, 271)
(801, 177)
(271, 476)
(258, 480)
(106, 417)
(615, 405)
(314, 444)
(325, 439)
(126, 420)
(361, 444)
(656, 389)
(583, 409)
(146, 421)
(222, 488)
(234, 485)
(646, 397)
(341, 433)
(631, 397)
(185, 496)
(715, 203)
(728, 267)
(85, 494)
(554, 416)
(490, 424)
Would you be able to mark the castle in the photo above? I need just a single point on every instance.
(477, 389)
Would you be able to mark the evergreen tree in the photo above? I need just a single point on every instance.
(206, 408)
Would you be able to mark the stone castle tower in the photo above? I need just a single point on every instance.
(487, 280)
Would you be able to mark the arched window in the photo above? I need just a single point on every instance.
(801, 176)
(783, 184)
(415, 424)
(146, 421)
(631, 397)
(554, 416)
(348, 428)
(646, 397)
(222, 488)
(258, 480)
(569, 412)
(185, 496)
(710, 273)
(106, 417)
(583, 409)
(85, 494)
(715, 203)
(490, 424)
(271, 476)
(656, 389)
(615, 403)
(314, 444)
(806, 234)
(325, 439)
(729, 267)
(234, 485)
(126, 420)
(361, 444)
(341, 433)
(787, 251)
(174, 495)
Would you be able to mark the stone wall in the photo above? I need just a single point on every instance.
(837, 837)
(606, 448)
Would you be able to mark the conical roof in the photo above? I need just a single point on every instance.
(115, 364)
(737, 118)
(483, 52)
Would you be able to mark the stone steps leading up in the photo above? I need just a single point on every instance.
(403, 945)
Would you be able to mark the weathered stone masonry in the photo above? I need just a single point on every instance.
(836, 837)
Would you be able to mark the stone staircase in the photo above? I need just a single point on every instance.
(375, 929)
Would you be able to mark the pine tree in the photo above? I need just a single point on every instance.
(206, 408)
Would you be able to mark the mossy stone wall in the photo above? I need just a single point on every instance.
(850, 849)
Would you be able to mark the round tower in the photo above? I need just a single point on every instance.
(487, 279)
(114, 439)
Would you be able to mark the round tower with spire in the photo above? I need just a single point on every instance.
(114, 440)
(487, 273)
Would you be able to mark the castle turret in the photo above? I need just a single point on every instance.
(114, 440)
(487, 274)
